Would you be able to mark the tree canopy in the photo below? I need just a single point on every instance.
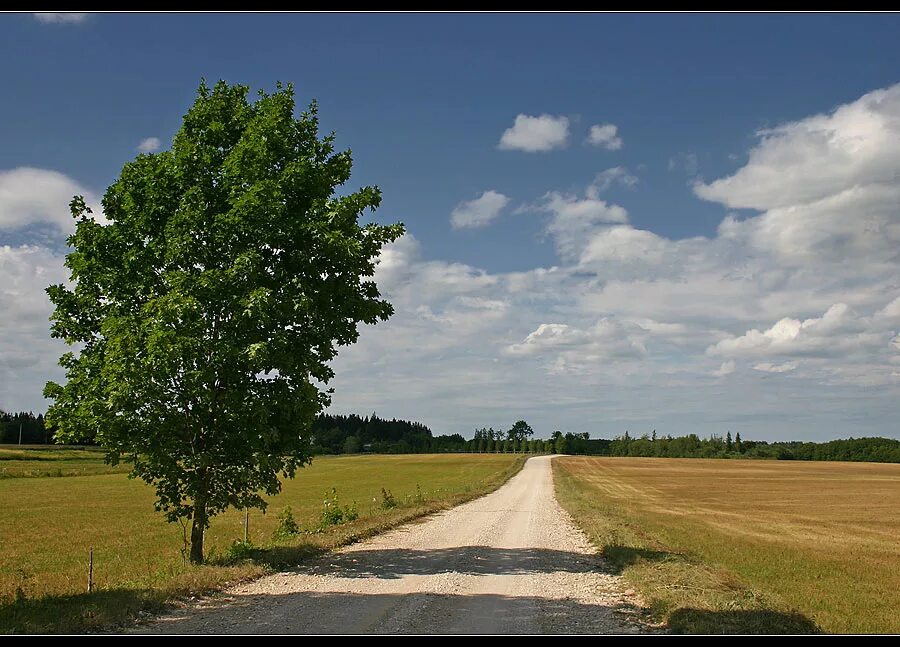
(206, 304)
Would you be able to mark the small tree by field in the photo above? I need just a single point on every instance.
(206, 311)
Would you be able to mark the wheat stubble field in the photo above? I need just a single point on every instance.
(761, 545)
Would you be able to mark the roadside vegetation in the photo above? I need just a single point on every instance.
(140, 561)
(746, 546)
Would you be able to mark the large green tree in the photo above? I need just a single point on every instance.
(520, 431)
(206, 309)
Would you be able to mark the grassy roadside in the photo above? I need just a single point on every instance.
(692, 595)
(118, 603)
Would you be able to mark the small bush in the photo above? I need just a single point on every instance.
(388, 502)
(332, 512)
(239, 550)
(287, 527)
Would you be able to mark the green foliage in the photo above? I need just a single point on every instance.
(287, 526)
(207, 308)
(333, 513)
(352, 445)
(238, 551)
(388, 502)
(520, 431)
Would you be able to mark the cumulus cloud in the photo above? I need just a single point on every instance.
(149, 145)
(605, 136)
(573, 219)
(610, 177)
(536, 134)
(839, 331)
(565, 348)
(768, 367)
(818, 157)
(478, 212)
(727, 368)
(27, 353)
(33, 195)
(60, 17)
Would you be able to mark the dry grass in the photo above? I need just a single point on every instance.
(50, 523)
(778, 544)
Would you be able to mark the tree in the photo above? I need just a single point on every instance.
(520, 431)
(352, 445)
(207, 310)
(729, 444)
(738, 445)
(561, 446)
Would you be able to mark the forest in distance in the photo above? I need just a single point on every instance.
(354, 434)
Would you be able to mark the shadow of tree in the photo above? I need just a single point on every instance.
(77, 613)
(467, 560)
(311, 612)
(754, 621)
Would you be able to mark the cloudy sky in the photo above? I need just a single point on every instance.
(681, 223)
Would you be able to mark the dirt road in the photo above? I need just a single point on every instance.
(509, 562)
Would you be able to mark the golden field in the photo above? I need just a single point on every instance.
(740, 545)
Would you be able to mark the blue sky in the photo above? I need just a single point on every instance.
(581, 322)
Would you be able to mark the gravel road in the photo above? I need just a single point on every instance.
(509, 562)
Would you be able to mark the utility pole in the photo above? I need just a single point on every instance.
(20, 433)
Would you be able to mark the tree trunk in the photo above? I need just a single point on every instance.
(197, 529)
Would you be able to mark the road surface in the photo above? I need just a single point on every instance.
(509, 562)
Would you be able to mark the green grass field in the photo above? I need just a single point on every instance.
(29, 461)
(49, 525)
(747, 546)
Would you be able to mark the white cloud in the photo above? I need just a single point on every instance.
(767, 367)
(32, 195)
(839, 331)
(727, 368)
(818, 157)
(606, 179)
(61, 17)
(606, 136)
(478, 212)
(149, 145)
(27, 353)
(573, 219)
(536, 134)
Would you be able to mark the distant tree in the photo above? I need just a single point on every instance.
(653, 436)
(729, 444)
(737, 443)
(561, 446)
(352, 445)
(520, 431)
(208, 309)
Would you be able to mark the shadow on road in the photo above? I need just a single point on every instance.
(468, 560)
(329, 613)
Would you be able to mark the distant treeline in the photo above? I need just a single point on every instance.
(353, 434)
(880, 450)
(33, 430)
